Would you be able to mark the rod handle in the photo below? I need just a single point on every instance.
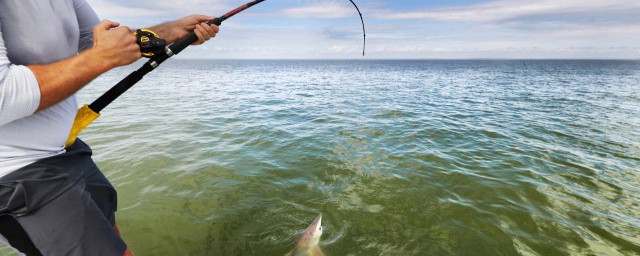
(184, 42)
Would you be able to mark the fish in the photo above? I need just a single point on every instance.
(307, 244)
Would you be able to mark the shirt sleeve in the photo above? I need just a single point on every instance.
(19, 89)
(87, 19)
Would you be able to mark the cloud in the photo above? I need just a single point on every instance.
(340, 34)
(534, 26)
(134, 11)
(493, 29)
(167, 5)
(515, 9)
(113, 11)
(330, 10)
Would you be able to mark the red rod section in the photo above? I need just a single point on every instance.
(239, 9)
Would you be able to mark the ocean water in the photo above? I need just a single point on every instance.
(480, 157)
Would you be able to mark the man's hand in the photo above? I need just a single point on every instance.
(115, 45)
(174, 30)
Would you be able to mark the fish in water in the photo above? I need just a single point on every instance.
(307, 244)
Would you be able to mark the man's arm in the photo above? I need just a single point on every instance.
(117, 47)
(112, 47)
(27, 89)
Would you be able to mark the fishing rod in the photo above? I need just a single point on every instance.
(364, 31)
(154, 48)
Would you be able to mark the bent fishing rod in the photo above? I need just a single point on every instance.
(154, 48)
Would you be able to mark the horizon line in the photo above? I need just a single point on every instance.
(418, 59)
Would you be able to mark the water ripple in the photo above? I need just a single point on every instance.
(400, 157)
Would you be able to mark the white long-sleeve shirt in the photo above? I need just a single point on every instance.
(37, 32)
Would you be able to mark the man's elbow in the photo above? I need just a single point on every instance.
(19, 93)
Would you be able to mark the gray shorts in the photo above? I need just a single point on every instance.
(63, 205)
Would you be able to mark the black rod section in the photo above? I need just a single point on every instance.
(124, 85)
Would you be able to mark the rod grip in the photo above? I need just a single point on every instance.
(184, 42)
(217, 21)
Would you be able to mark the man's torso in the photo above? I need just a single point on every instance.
(37, 32)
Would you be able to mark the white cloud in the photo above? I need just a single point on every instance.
(496, 29)
(509, 9)
(330, 10)
(112, 11)
(137, 13)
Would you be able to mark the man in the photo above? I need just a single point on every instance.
(55, 201)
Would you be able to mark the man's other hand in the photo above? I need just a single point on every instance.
(174, 30)
(114, 44)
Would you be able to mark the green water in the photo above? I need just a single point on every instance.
(400, 157)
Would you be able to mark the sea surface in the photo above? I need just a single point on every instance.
(442, 157)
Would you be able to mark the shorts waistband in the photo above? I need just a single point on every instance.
(34, 185)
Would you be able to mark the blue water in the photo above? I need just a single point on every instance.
(480, 157)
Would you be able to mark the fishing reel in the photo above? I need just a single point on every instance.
(150, 43)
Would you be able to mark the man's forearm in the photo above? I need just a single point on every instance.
(165, 32)
(59, 80)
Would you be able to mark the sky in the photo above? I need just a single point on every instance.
(402, 29)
